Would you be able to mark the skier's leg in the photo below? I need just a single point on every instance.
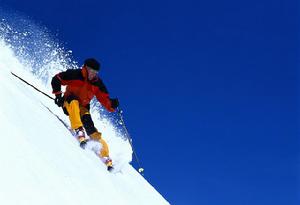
(104, 150)
(73, 110)
(94, 133)
(74, 113)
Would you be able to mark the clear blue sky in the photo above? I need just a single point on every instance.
(209, 89)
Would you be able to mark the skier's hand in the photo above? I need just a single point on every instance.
(59, 100)
(114, 103)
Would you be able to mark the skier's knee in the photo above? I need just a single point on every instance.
(96, 136)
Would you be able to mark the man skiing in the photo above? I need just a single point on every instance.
(81, 86)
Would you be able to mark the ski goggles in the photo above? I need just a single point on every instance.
(91, 70)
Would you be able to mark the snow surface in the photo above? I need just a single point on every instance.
(41, 162)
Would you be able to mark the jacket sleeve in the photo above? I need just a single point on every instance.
(64, 78)
(102, 96)
(56, 84)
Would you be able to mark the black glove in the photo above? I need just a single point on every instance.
(114, 103)
(59, 100)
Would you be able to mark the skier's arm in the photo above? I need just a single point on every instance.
(65, 78)
(102, 96)
(56, 84)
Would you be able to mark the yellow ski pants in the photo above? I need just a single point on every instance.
(75, 114)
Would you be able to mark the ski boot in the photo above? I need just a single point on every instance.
(80, 135)
(108, 162)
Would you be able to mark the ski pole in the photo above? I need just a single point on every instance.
(141, 169)
(32, 86)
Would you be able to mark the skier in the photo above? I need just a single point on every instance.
(81, 86)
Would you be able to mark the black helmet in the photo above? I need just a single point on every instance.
(92, 63)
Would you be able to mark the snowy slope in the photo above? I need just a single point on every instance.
(41, 163)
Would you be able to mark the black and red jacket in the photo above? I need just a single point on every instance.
(79, 86)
